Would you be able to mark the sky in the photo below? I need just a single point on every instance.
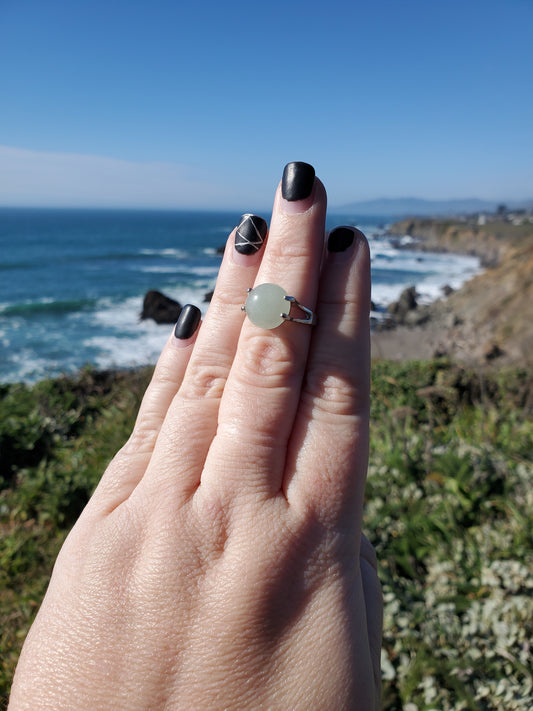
(166, 103)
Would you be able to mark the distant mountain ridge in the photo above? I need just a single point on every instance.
(403, 207)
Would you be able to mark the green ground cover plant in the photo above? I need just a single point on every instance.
(449, 509)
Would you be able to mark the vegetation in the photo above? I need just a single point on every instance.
(449, 509)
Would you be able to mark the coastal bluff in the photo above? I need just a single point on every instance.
(491, 317)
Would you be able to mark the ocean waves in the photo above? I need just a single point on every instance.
(71, 294)
(38, 309)
(394, 270)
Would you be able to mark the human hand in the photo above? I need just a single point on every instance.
(220, 562)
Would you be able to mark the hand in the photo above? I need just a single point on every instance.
(220, 563)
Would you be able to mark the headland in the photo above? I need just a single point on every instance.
(488, 320)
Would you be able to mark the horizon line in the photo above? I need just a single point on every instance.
(525, 202)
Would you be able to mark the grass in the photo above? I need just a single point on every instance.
(449, 510)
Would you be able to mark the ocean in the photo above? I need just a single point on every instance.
(72, 282)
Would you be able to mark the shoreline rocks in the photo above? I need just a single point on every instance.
(489, 319)
(160, 308)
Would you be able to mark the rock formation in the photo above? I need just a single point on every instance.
(160, 308)
(490, 319)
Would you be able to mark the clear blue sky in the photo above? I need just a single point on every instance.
(172, 103)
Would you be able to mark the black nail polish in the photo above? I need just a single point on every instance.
(250, 234)
(188, 322)
(340, 239)
(297, 182)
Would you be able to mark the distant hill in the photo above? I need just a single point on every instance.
(403, 207)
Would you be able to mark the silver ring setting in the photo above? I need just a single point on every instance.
(268, 306)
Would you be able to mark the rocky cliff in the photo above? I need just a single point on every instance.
(491, 317)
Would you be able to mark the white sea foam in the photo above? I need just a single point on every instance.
(25, 365)
(427, 271)
(204, 271)
(125, 352)
(128, 341)
(156, 270)
(167, 252)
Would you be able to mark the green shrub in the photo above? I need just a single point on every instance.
(449, 508)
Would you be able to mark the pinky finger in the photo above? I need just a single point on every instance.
(128, 466)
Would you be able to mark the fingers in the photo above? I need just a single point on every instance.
(262, 392)
(285, 408)
(167, 378)
(129, 465)
(191, 418)
(332, 419)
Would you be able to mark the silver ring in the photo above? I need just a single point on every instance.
(266, 307)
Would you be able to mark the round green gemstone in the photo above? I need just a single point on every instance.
(265, 304)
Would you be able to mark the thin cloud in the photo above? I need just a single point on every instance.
(40, 178)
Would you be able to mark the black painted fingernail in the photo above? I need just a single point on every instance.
(251, 234)
(188, 322)
(340, 239)
(297, 182)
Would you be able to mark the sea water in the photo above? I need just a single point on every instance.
(72, 282)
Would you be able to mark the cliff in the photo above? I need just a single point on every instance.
(489, 242)
(491, 317)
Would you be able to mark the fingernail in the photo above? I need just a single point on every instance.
(340, 239)
(250, 234)
(297, 182)
(188, 322)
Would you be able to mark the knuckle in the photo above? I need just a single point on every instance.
(286, 247)
(205, 382)
(225, 296)
(267, 361)
(330, 393)
(165, 375)
(142, 439)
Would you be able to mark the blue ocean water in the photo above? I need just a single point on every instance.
(72, 282)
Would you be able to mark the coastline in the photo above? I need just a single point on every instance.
(488, 320)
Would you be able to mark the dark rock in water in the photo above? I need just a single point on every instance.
(406, 303)
(447, 290)
(209, 296)
(161, 308)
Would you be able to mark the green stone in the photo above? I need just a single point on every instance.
(265, 304)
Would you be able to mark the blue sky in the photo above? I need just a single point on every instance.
(174, 104)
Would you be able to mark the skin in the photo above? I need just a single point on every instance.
(220, 564)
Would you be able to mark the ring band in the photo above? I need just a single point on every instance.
(266, 307)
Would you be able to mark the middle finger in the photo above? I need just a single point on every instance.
(261, 395)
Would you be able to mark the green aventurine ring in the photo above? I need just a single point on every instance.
(268, 305)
